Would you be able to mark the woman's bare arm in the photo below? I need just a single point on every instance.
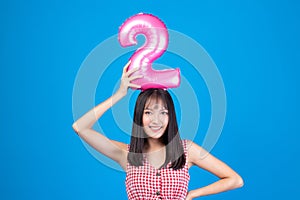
(229, 179)
(83, 126)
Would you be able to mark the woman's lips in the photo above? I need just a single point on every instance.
(155, 128)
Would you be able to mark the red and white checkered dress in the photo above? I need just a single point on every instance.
(148, 183)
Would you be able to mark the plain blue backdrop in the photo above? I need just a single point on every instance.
(255, 45)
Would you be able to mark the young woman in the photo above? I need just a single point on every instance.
(156, 161)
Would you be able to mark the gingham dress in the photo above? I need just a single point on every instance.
(148, 183)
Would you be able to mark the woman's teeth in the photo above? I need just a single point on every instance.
(155, 127)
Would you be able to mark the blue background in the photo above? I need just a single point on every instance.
(255, 45)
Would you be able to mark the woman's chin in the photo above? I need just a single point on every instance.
(154, 135)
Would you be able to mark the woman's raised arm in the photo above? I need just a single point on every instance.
(83, 126)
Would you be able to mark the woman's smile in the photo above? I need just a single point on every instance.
(155, 119)
(155, 128)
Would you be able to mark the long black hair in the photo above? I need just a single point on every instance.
(171, 138)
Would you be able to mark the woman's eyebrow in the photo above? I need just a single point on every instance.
(154, 109)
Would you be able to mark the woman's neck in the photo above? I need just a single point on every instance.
(154, 145)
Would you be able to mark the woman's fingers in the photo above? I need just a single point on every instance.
(127, 77)
(131, 71)
(134, 85)
(126, 67)
(135, 77)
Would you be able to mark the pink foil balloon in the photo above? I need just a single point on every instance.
(156, 43)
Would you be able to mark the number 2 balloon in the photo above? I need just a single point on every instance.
(156, 43)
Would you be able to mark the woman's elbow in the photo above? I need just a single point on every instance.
(75, 127)
(238, 181)
(79, 129)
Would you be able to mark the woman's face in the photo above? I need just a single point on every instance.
(155, 119)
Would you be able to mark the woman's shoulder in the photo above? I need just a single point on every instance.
(186, 143)
(195, 151)
(190, 143)
(193, 148)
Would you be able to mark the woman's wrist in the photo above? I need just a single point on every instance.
(120, 93)
(192, 194)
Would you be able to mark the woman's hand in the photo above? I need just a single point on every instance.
(189, 196)
(127, 78)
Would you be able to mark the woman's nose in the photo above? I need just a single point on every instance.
(155, 117)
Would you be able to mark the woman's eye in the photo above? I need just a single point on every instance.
(164, 113)
(147, 112)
